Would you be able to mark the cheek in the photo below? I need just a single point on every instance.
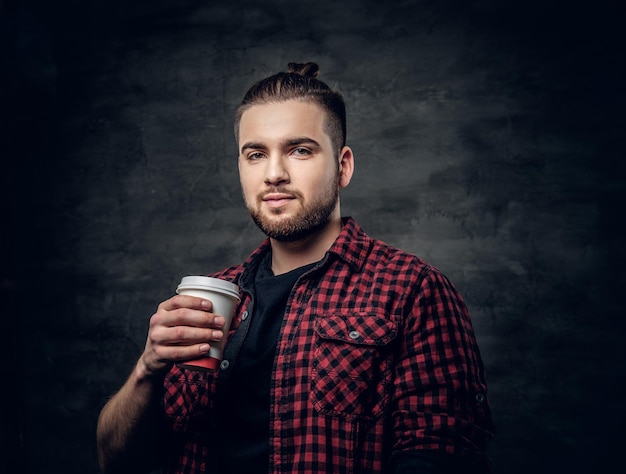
(248, 175)
(246, 188)
(314, 178)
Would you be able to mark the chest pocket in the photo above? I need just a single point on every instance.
(352, 367)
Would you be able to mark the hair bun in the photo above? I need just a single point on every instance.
(307, 69)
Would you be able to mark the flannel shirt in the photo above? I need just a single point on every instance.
(376, 355)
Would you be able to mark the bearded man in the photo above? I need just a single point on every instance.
(346, 354)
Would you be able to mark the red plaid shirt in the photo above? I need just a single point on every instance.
(376, 355)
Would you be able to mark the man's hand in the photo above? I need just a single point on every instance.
(182, 328)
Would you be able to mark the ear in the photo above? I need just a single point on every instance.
(346, 166)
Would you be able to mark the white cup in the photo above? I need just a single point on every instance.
(225, 296)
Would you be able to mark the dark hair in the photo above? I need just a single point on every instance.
(299, 82)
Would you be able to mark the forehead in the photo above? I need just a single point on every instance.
(282, 119)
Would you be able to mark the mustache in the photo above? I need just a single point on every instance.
(280, 190)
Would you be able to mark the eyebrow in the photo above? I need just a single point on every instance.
(287, 143)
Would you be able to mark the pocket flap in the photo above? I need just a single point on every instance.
(364, 328)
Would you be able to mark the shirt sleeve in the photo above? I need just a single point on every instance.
(440, 401)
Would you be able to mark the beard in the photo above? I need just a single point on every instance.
(308, 220)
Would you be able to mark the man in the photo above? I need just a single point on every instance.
(346, 355)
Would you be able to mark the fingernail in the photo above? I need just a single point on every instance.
(206, 304)
(217, 335)
(204, 348)
(219, 320)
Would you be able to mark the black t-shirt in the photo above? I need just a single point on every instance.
(245, 416)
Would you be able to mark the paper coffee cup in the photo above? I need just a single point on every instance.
(225, 296)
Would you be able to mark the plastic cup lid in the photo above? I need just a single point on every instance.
(209, 284)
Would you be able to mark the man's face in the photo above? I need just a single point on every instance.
(289, 174)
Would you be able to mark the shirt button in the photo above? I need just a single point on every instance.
(480, 397)
(224, 365)
(354, 334)
(244, 316)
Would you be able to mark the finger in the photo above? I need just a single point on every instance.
(165, 355)
(194, 318)
(188, 335)
(186, 317)
(187, 301)
(183, 335)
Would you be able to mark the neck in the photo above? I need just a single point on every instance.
(287, 256)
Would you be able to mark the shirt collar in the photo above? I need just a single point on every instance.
(352, 245)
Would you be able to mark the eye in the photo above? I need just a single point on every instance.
(301, 152)
(255, 156)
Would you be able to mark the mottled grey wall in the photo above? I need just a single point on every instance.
(485, 135)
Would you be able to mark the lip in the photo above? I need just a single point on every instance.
(277, 199)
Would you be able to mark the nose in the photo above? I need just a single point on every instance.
(276, 172)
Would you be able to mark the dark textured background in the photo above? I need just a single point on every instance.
(488, 141)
